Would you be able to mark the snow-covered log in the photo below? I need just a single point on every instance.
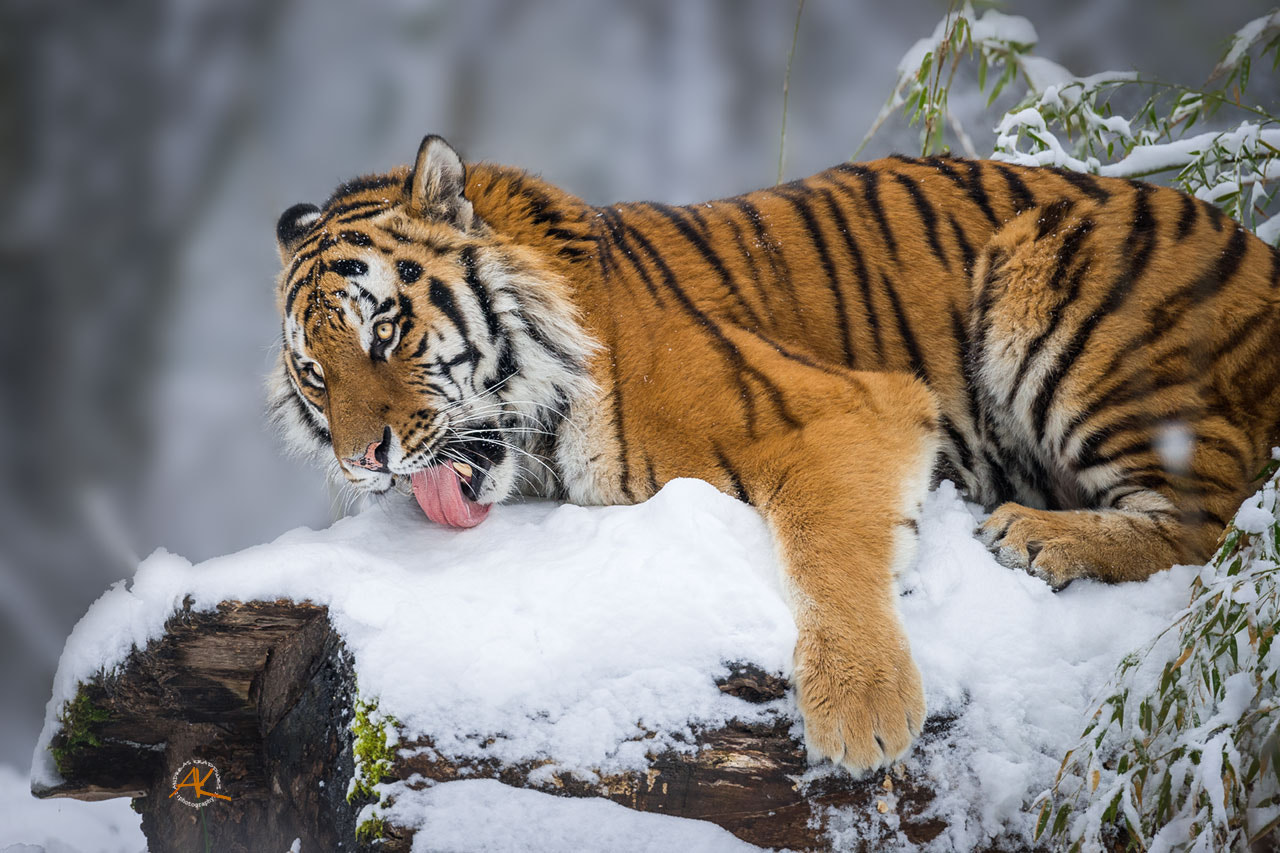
(588, 675)
(264, 692)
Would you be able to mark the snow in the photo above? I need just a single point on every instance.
(568, 634)
(1246, 37)
(1254, 519)
(1149, 159)
(485, 815)
(996, 27)
(28, 825)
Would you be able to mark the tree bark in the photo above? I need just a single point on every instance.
(264, 693)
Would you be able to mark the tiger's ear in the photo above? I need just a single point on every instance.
(293, 226)
(436, 184)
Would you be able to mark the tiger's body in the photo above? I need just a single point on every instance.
(1092, 358)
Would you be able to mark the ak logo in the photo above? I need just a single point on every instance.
(197, 784)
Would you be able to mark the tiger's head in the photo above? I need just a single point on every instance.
(420, 347)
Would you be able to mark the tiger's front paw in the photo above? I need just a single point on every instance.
(861, 697)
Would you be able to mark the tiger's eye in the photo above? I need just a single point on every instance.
(385, 330)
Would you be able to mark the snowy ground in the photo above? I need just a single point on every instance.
(569, 633)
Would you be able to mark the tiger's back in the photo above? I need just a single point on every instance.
(1091, 341)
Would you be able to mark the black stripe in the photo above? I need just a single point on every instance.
(958, 442)
(507, 367)
(617, 231)
(1067, 251)
(927, 216)
(624, 464)
(1003, 487)
(904, 329)
(1141, 243)
(1211, 282)
(541, 209)
(1051, 217)
(964, 356)
(996, 258)
(971, 184)
(1275, 267)
(471, 275)
(800, 358)
(359, 185)
(739, 490)
(749, 258)
(442, 297)
(331, 214)
(801, 205)
(563, 234)
(355, 217)
(1216, 217)
(870, 181)
(966, 249)
(1056, 315)
(303, 409)
(777, 260)
(1087, 184)
(676, 216)
(1191, 484)
(1135, 422)
(978, 193)
(1187, 219)
(961, 336)
(859, 271)
(1022, 197)
(1121, 393)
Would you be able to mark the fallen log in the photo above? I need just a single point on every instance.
(263, 694)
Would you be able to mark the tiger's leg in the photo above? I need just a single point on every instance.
(842, 496)
(1113, 418)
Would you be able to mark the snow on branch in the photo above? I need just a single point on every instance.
(1091, 124)
(1183, 751)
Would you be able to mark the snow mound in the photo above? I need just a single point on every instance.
(28, 825)
(587, 637)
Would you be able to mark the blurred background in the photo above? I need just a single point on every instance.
(147, 147)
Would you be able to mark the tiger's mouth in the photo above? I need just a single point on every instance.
(448, 493)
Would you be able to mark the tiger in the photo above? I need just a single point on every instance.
(1092, 359)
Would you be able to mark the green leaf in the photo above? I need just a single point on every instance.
(1060, 820)
(1043, 820)
(1110, 814)
(1164, 799)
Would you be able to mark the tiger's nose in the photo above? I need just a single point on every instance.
(375, 455)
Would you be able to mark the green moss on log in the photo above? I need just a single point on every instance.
(79, 718)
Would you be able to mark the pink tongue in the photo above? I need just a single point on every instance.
(439, 493)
